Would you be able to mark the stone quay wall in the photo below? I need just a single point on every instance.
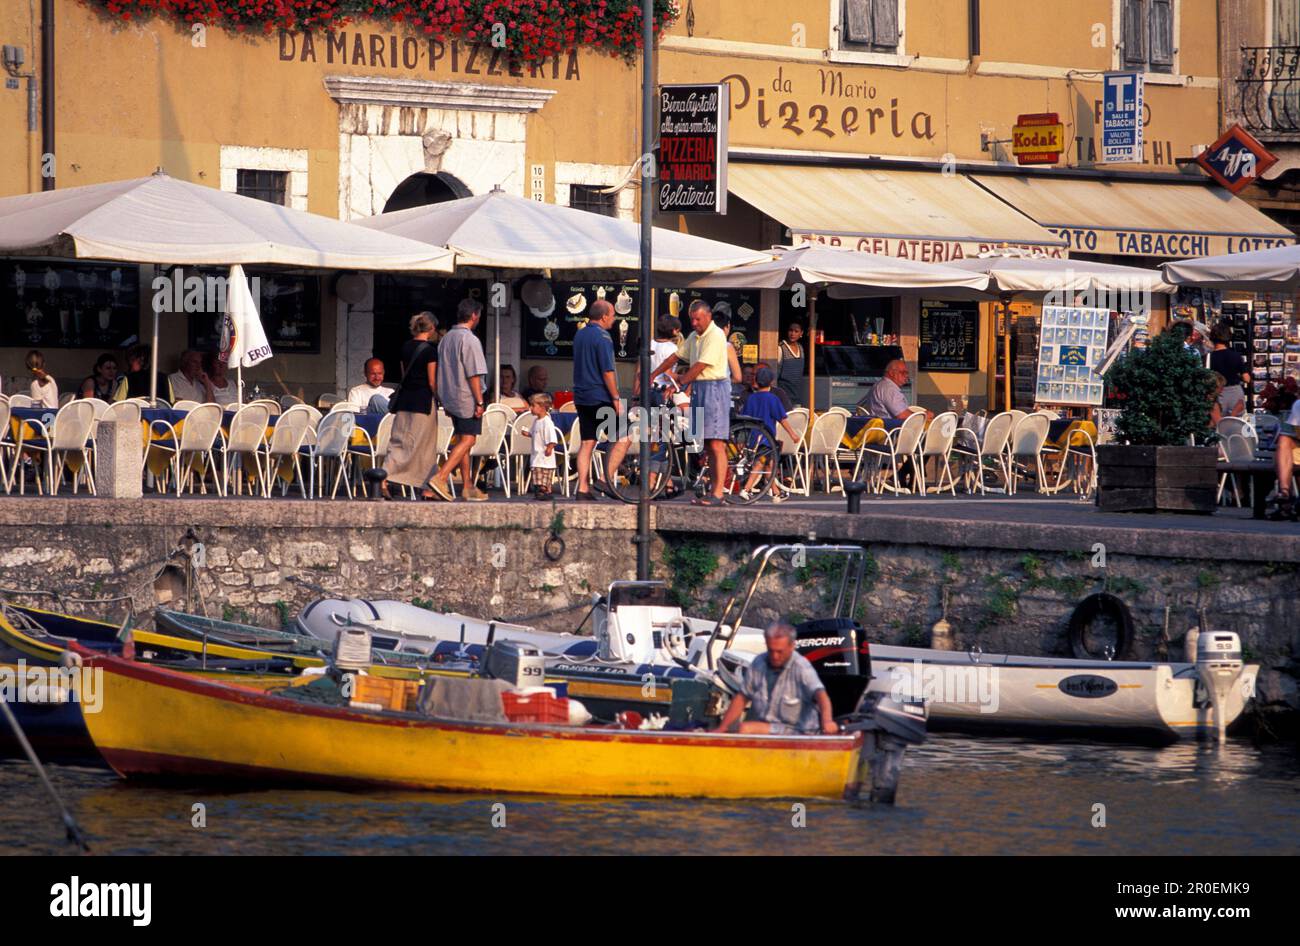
(1004, 586)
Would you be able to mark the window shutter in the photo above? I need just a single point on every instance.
(857, 21)
(1286, 22)
(1135, 47)
(884, 23)
(1162, 33)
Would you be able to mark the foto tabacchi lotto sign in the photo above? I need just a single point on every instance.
(1121, 120)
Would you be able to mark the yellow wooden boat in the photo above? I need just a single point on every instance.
(161, 723)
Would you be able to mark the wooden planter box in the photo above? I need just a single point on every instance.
(1156, 479)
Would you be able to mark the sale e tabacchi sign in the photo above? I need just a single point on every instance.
(693, 148)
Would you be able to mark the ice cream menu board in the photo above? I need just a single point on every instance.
(692, 172)
(549, 329)
(949, 336)
(68, 305)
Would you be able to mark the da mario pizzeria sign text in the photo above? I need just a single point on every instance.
(693, 148)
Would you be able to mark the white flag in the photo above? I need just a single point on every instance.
(243, 340)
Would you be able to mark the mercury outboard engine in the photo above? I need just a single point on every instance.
(1219, 665)
(838, 650)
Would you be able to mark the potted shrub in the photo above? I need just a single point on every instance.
(1165, 394)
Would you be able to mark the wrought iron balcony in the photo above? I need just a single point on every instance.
(1268, 92)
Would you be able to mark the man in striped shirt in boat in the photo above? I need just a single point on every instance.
(782, 691)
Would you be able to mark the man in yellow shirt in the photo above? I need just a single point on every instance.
(709, 377)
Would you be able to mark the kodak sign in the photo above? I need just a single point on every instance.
(1038, 138)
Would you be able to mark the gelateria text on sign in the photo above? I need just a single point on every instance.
(693, 148)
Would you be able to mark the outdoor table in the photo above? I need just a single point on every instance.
(1056, 429)
(854, 424)
(564, 421)
(19, 414)
(1262, 474)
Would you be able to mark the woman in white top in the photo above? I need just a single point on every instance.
(45, 391)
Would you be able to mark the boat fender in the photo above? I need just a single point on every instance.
(1091, 610)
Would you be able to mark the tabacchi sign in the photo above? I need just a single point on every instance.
(693, 148)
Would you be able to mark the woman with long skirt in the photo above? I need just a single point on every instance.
(413, 446)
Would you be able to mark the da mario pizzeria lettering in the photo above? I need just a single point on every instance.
(838, 106)
(410, 53)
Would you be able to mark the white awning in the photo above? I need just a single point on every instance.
(1139, 218)
(918, 215)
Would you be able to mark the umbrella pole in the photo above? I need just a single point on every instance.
(1006, 351)
(812, 360)
(496, 342)
(239, 381)
(153, 367)
(647, 294)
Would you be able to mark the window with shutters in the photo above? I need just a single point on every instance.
(1148, 40)
(870, 25)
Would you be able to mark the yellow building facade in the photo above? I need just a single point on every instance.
(882, 125)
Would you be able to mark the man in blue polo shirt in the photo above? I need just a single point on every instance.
(595, 395)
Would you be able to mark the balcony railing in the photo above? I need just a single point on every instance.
(1268, 91)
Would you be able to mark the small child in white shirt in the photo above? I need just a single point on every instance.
(544, 437)
(45, 392)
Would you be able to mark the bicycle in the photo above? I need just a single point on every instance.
(752, 453)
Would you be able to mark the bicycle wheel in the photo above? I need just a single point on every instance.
(627, 485)
(752, 456)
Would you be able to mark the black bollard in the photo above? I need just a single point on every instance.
(853, 490)
(373, 477)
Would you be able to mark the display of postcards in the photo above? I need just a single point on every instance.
(1239, 333)
(1275, 358)
(1277, 315)
(1057, 373)
(1260, 359)
(1045, 355)
(1277, 331)
(1259, 385)
(1073, 338)
(1261, 344)
(1044, 391)
(1292, 357)
(1055, 391)
(1276, 344)
(1261, 330)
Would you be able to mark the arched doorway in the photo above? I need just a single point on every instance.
(424, 188)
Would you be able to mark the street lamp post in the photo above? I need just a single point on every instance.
(648, 169)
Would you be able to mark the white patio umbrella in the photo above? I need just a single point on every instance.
(1275, 270)
(159, 219)
(1040, 275)
(499, 232)
(243, 338)
(823, 267)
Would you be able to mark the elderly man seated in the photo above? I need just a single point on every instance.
(782, 692)
(191, 383)
(886, 399)
(538, 379)
(374, 394)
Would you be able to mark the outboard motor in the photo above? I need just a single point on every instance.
(1219, 665)
(520, 665)
(838, 650)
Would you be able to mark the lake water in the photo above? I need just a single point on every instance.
(958, 795)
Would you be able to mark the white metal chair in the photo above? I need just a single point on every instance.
(285, 446)
(824, 442)
(288, 401)
(567, 465)
(937, 444)
(333, 442)
(569, 408)
(347, 406)
(897, 447)
(1241, 426)
(517, 448)
(65, 437)
(193, 449)
(793, 450)
(20, 400)
(67, 397)
(272, 406)
(186, 405)
(371, 452)
(245, 439)
(1026, 445)
(990, 451)
(1235, 448)
(487, 445)
(326, 401)
(7, 446)
(1077, 447)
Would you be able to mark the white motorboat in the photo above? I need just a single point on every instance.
(638, 634)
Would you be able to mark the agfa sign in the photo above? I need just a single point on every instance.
(1236, 159)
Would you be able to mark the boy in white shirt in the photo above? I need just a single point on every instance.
(544, 437)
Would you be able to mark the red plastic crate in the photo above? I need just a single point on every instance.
(535, 708)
